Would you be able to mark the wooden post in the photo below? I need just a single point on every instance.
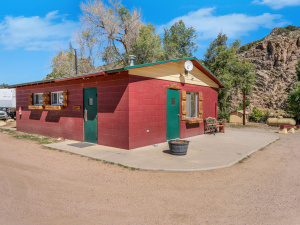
(183, 105)
(200, 107)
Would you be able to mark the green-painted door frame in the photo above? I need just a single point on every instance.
(173, 114)
(90, 114)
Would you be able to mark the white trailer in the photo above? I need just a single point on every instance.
(8, 101)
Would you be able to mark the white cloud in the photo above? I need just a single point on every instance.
(233, 25)
(36, 33)
(277, 4)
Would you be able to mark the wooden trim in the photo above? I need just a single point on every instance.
(76, 107)
(193, 121)
(35, 107)
(54, 107)
(174, 86)
(46, 98)
(65, 98)
(200, 96)
(183, 105)
(30, 99)
(200, 105)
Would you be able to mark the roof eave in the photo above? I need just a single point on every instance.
(203, 68)
(89, 75)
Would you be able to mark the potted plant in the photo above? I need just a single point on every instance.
(178, 147)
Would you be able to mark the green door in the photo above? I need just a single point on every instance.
(173, 114)
(90, 114)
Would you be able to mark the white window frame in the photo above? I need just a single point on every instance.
(188, 105)
(34, 98)
(52, 98)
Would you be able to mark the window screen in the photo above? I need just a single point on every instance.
(38, 99)
(191, 104)
(56, 98)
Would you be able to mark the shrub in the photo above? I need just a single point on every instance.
(241, 105)
(286, 29)
(223, 115)
(293, 101)
(256, 115)
(265, 115)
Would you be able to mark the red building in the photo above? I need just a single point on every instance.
(126, 108)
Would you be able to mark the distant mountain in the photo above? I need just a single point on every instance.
(274, 58)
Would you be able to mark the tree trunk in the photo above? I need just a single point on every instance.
(113, 42)
(244, 108)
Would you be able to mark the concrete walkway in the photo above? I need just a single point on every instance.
(205, 152)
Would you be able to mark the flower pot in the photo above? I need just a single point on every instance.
(178, 147)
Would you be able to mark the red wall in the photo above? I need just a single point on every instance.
(68, 123)
(147, 110)
(128, 106)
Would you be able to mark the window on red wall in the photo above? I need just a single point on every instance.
(191, 104)
(38, 98)
(57, 98)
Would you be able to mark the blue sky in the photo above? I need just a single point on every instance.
(33, 31)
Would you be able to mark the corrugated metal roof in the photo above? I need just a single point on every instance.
(73, 77)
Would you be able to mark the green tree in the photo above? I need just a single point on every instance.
(63, 64)
(266, 115)
(113, 26)
(244, 79)
(293, 102)
(147, 47)
(256, 115)
(111, 32)
(216, 46)
(220, 59)
(4, 85)
(179, 41)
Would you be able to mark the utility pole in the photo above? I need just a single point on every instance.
(75, 60)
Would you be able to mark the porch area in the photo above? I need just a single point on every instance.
(205, 152)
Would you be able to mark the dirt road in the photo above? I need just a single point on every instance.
(42, 186)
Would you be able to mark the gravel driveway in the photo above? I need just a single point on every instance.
(42, 186)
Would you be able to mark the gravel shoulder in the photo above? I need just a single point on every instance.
(43, 186)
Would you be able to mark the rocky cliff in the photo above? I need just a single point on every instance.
(274, 59)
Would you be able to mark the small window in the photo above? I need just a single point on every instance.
(91, 101)
(56, 98)
(172, 101)
(38, 98)
(191, 104)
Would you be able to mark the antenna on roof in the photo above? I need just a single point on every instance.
(75, 60)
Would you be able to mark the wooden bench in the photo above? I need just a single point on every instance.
(212, 125)
(284, 129)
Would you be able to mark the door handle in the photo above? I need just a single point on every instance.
(85, 114)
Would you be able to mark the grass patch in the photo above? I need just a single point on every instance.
(47, 140)
(242, 160)
(7, 131)
(49, 148)
(263, 148)
(239, 126)
(37, 138)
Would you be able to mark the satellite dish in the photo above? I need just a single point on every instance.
(188, 65)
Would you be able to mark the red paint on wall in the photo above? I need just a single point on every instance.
(112, 92)
(147, 110)
(131, 110)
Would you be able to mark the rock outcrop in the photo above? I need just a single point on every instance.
(274, 59)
